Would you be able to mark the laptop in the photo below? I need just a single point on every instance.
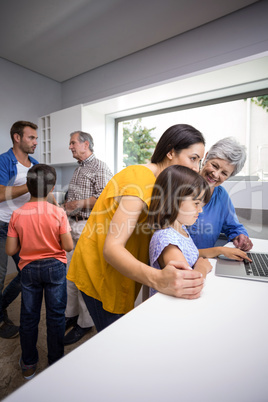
(256, 271)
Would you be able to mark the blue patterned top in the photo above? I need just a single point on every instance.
(162, 238)
(218, 217)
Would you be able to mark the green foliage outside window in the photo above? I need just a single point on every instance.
(138, 143)
(261, 101)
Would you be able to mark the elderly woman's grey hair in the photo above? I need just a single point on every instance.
(83, 136)
(229, 150)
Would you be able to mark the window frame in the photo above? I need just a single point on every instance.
(186, 106)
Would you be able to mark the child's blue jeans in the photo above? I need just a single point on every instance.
(46, 276)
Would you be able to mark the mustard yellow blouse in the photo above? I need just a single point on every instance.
(88, 269)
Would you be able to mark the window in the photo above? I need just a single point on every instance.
(240, 116)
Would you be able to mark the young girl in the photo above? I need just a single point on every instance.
(177, 199)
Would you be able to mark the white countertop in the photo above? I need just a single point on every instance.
(211, 349)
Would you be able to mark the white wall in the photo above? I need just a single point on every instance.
(24, 95)
(237, 36)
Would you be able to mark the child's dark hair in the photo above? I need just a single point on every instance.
(172, 186)
(41, 179)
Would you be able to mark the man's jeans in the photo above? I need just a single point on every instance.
(13, 289)
(48, 276)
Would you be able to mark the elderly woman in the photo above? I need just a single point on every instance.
(225, 159)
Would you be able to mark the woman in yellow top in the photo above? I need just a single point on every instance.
(110, 261)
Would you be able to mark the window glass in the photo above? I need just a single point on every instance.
(244, 119)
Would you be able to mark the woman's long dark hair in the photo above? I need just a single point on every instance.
(177, 137)
(172, 186)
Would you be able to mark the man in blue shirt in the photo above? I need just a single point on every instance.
(14, 165)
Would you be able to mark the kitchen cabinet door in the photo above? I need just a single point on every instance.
(55, 135)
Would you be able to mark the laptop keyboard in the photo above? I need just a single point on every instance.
(258, 266)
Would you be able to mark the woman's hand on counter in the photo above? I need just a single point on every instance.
(178, 280)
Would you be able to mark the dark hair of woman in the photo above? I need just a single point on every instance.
(177, 137)
(172, 186)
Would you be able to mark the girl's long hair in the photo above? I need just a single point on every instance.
(172, 186)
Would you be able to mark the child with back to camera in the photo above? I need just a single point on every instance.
(177, 199)
(41, 232)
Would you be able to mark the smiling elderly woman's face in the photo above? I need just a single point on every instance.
(216, 171)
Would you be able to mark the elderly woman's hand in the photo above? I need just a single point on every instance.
(243, 242)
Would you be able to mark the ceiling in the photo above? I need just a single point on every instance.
(61, 39)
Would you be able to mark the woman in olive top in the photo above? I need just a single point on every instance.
(110, 261)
